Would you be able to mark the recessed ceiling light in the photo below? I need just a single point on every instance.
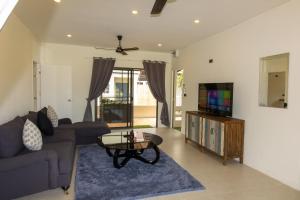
(69, 35)
(196, 21)
(135, 12)
(159, 44)
(57, 1)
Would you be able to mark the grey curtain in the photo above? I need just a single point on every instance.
(155, 73)
(102, 70)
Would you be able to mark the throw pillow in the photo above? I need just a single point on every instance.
(51, 114)
(11, 142)
(44, 110)
(32, 116)
(45, 124)
(32, 137)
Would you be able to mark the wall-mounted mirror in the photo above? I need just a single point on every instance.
(273, 81)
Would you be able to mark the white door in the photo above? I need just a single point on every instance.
(57, 89)
(276, 89)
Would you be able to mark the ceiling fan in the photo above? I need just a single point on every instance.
(122, 50)
(158, 7)
(119, 48)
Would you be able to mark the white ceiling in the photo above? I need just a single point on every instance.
(97, 22)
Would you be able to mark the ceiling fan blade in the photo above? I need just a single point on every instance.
(131, 49)
(158, 7)
(104, 48)
(123, 53)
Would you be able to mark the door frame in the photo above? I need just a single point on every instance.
(174, 82)
(36, 85)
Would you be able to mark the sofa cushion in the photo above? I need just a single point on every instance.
(60, 135)
(32, 136)
(45, 124)
(64, 121)
(65, 153)
(11, 141)
(87, 128)
(32, 116)
(87, 132)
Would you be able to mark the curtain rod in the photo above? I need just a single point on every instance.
(127, 59)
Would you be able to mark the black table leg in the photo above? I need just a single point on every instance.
(108, 152)
(157, 156)
(116, 157)
(133, 154)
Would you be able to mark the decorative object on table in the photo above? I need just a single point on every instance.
(126, 142)
(131, 137)
(96, 177)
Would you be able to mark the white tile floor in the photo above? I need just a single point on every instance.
(231, 182)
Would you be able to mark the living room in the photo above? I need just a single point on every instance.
(48, 52)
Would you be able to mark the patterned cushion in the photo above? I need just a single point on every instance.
(51, 114)
(32, 137)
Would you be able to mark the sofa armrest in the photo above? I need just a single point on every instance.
(64, 121)
(31, 160)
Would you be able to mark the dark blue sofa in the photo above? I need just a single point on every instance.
(23, 172)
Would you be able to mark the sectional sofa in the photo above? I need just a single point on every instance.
(24, 172)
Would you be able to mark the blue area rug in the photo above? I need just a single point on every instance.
(96, 177)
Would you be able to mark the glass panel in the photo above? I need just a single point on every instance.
(144, 102)
(115, 105)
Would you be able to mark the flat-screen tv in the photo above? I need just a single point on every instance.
(215, 98)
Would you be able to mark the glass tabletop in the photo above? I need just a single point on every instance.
(129, 140)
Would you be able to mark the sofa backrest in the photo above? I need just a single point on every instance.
(11, 142)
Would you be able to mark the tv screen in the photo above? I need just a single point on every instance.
(215, 98)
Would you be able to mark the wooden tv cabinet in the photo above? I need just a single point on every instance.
(223, 136)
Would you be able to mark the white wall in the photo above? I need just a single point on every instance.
(272, 136)
(80, 58)
(18, 49)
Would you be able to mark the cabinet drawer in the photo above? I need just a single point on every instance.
(193, 128)
(213, 136)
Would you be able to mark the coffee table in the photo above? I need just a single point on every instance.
(126, 147)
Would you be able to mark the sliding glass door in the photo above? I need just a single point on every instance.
(127, 101)
(115, 105)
